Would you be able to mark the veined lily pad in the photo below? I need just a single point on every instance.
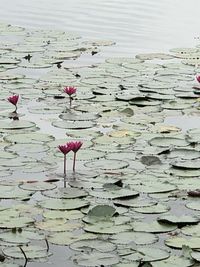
(78, 116)
(9, 222)
(181, 172)
(113, 194)
(107, 164)
(20, 238)
(63, 204)
(153, 227)
(193, 205)
(88, 154)
(195, 255)
(15, 125)
(65, 193)
(152, 186)
(37, 186)
(173, 260)
(68, 215)
(147, 254)
(140, 238)
(106, 227)
(95, 259)
(167, 141)
(32, 252)
(13, 192)
(102, 211)
(27, 148)
(72, 124)
(29, 138)
(180, 220)
(193, 230)
(154, 209)
(104, 140)
(97, 244)
(57, 225)
(67, 238)
(179, 242)
(134, 202)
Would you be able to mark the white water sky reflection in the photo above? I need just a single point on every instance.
(136, 25)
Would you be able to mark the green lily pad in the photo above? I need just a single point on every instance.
(29, 138)
(140, 238)
(154, 227)
(68, 215)
(193, 205)
(13, 192)
(63, 204)
(32, 252)
(20, 238)
(180, 220)
(193, 230)
(154, 209)
(148, 254)
(72, 124)
(113, 194)
(37, 186)
(67, 238)
(106, 227)
(97, 244)
(195, 255)
(57, 225)
(167, 141)
(134, 202)
(27, 148)
(16, 124)
(182, 172)
(95, 259)
(179, 242)
(9, 222)
(173, 260)
(107, 164)
(102, 211)
(78, 116)
(65, 193)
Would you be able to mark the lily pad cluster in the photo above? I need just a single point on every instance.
(134, 198)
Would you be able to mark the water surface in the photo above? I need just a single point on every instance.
(136, 25)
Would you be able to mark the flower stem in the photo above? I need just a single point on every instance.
(15, 111)
(70, 102)
(65, 165)
(74, 163)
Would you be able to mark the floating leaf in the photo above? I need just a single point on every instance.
(96, 258)
(140, 238)
(32, 252)
(63, 204)
(97, 244)
(179, 242)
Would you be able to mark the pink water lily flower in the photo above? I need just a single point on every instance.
(75, 146)
(198, 78)
(70, 90)
(65, 149)
(13, 100)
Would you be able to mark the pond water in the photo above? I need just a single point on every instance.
(127, 112)
(136, 26)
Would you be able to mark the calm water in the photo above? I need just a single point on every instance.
(136, 25)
